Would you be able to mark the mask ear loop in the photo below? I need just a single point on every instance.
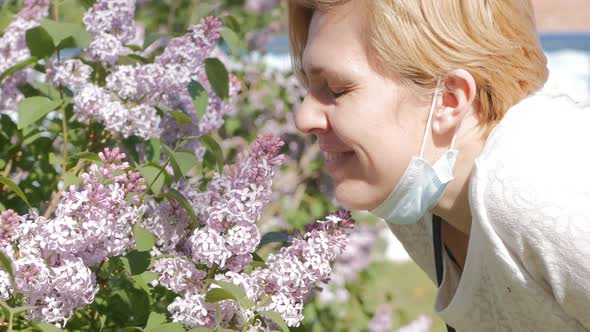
(429, 123)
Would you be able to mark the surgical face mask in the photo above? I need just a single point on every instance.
(422, 185)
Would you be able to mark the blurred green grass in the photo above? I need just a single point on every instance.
(410, 290)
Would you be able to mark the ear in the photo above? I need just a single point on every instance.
(458, 94)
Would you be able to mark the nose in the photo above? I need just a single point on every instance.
(310, 116)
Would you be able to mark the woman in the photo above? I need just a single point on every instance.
(429, 115)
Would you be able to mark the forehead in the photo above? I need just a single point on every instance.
(335, 38)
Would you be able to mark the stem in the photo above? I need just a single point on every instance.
(194, 10)
(210, 274)
(6, 172)
(10, 318)
(56, 10)
(64, 120)
(158, 175)
(172, 16)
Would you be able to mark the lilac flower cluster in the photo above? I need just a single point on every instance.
(282, 286)
(356, 257)
(110, 22)
(227, 238)
(51, 257)
(13, 49)
(229, 210)
(128, 101)
(382, 320)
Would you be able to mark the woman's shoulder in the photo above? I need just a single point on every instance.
(536, 156)
(540, 127)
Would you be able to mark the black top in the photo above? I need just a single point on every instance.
(438, 263)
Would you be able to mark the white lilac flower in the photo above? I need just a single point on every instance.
(71, 73)
(191, 310)
(420, 324)
(169, 222)
(178, 275)
(105, 48)
(112, 16)
(123, 81)
(5, 286)
(382, 320)
(208, 247)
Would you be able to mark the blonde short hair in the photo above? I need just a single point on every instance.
(417, 41)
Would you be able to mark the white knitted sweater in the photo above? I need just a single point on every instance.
(528, 261)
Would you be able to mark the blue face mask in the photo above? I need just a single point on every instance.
(422, 185)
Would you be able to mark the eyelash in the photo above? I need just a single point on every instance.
(336, 94)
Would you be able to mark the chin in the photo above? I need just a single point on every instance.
(355, 195)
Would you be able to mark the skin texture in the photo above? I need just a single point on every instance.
(353, 108)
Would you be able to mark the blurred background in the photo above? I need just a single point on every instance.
(375, 286)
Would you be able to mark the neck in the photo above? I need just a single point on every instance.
(454, 205)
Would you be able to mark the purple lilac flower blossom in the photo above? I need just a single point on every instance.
(13, 49)
(110, 23)
(9, 222)
(382, 320)
(72, 73)
(91, 223)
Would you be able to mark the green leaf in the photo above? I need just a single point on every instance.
(212, 145)
(232, 40)
(12, 186)
(60, 32)
(186, 160)
(39, 42)
(138, 58)
(172, 161)
(17, 67)
(6, 264)
(231, 125)
(232, 23)
(150, 172)
(144, 240)
(201, 329)
(155, 319)
(71, 178)
(34, 108)
(219, 294)
(236, 291)
(181, 117)
(273, 237)
(144, 279)
(136, 262)
(6, 18)
(218, 77)
(85, 156)
(179, 197)
(200, 98)
(47, 327)
(168, 327)
(155, 144)
(277, 319)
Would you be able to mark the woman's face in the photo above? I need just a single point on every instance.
(368, 126)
